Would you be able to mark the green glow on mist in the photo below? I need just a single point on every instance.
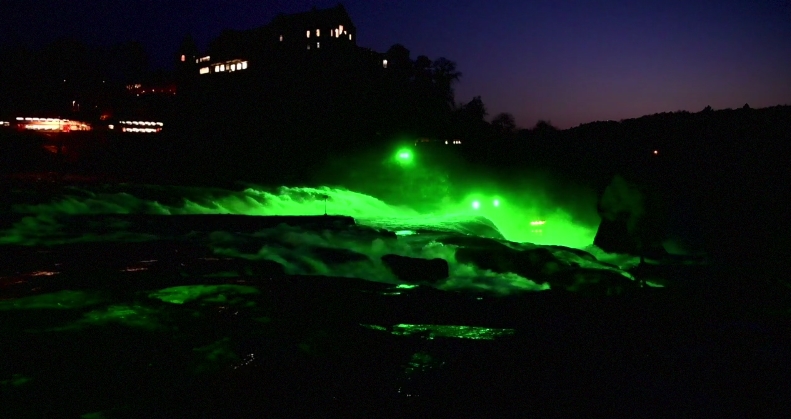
(186, 293)
(476, 205)
(61, 300)
(496, 203)
(461, 332)
(406, 286)
(404, 233)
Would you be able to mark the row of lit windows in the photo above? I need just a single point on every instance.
(42, 119)
(4, 123)
(453, 142)
(140, 123)
(227, 66)
(337, 32)
(143, 130)
(203, 59)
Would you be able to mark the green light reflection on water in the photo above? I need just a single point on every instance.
(61, 300)
(16, 380)
(132, 316)
(186, 293)
(446, 331)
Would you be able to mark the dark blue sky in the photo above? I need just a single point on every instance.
(567, 61)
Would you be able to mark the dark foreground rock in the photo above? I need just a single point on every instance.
(415, 270)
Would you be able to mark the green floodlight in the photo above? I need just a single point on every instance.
(404, 156)
(476, 204)
(496, 203)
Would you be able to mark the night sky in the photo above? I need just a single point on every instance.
(567, 61)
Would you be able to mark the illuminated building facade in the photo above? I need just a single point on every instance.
(314, 30)
(228, 66)
(140, 127)
(51, 124)
(286, 36)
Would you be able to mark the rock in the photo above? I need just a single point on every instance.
(592, 281)
(416, 270)
(613, 236)
(533, 264)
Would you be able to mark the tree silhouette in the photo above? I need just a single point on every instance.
(475, 110)
(504, 123)
(544, 127)
(445, 75)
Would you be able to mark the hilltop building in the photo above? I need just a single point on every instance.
(328, 33)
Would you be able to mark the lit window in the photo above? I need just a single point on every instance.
(111, 126)
(233, 67)
(340, 28)
(216, 68)
(204, 70)
(318, 33)
(308, 34)
(384, 63)
(318, 45)
(281, 38)
(244, 65)
(308, 46)
(183, 58)
(222, 67)
(350, 37)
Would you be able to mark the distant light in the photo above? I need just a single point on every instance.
(308, 34)
(476, 204)
(446, 141)
(281, 38)
(318, 33)
(350, 37)
(404, 155)
(496, 202)
(111, 126)
(384, 63)
(656, 151)
(537, 223)
(183, 58)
